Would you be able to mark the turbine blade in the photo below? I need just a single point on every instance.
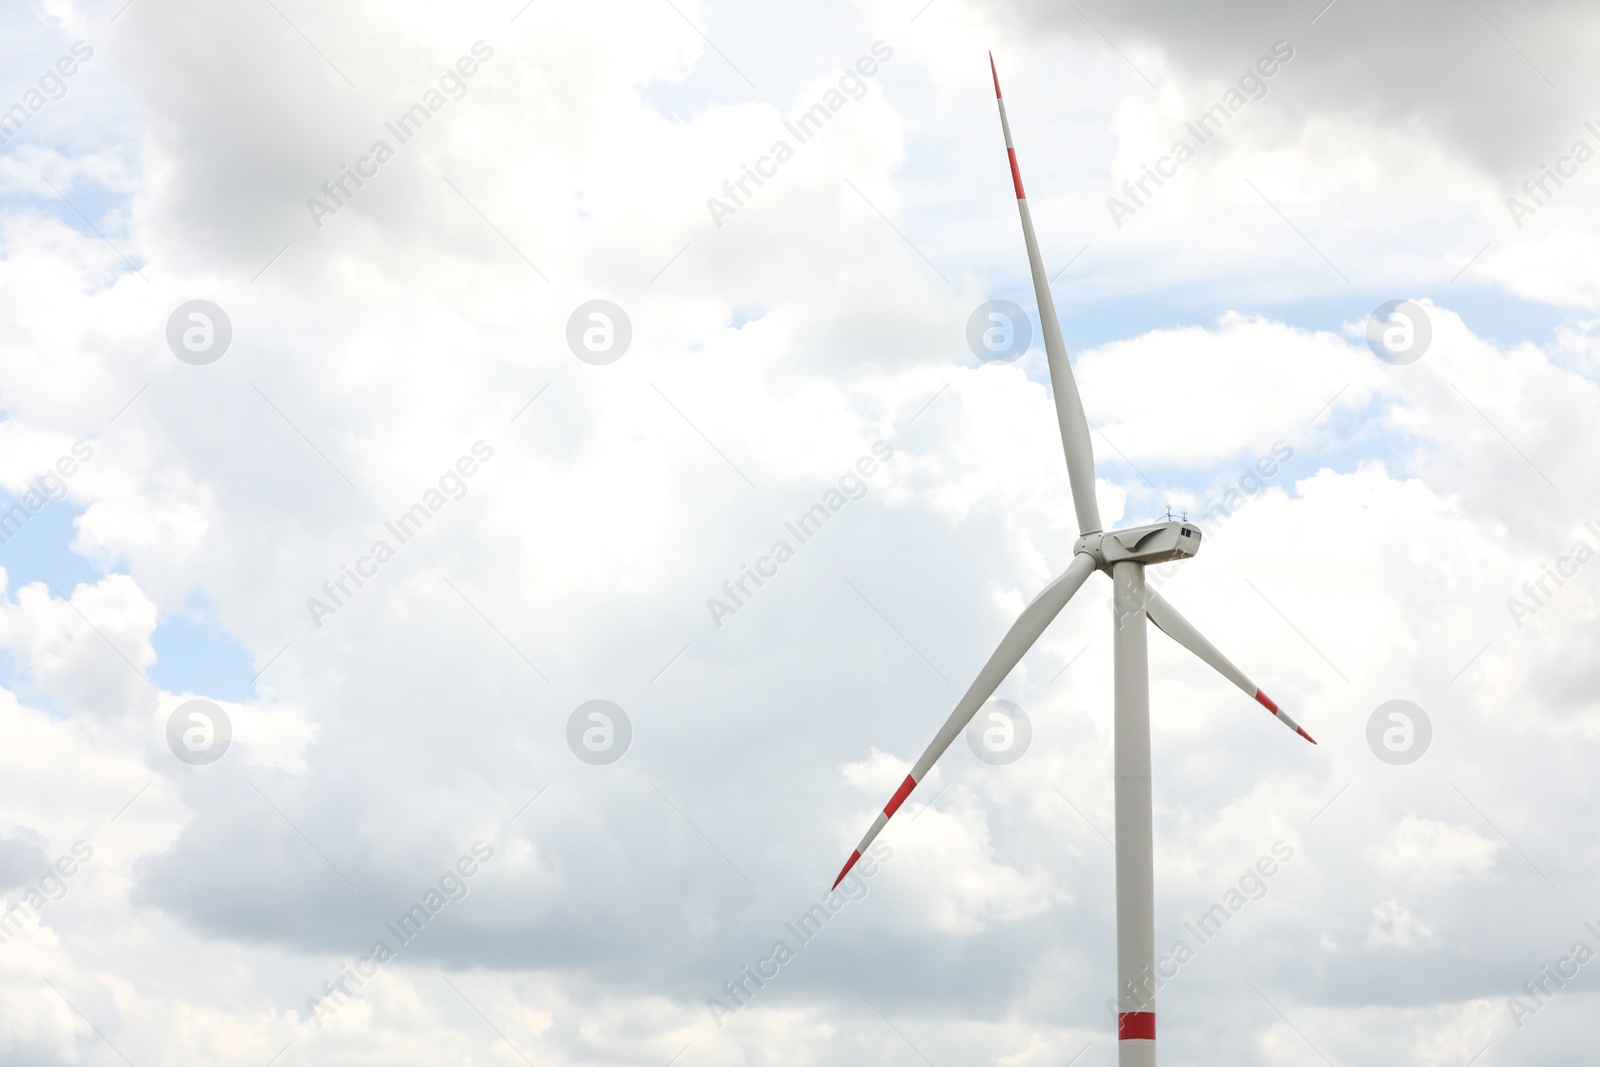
(1023, 633)
(1175, 626)
(1069, 408)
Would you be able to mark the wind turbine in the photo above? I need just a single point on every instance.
(1122, 554)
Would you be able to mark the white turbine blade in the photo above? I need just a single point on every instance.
(1023, 633)
(1178, 628)
(1069, 408)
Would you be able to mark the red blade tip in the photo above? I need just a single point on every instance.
(1305, 735)
(996, 75)
(853, 857)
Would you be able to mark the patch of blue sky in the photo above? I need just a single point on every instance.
(1490, 312)
(41, 549)
(193, 653)
(83, 116)
(1340, 438)
(742, 316)
(91, 209)
(38, 550)
(1502, 318)
(25, 43)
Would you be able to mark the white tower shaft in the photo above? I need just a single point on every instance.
(1136, 904)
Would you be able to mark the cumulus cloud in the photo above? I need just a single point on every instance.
(427, 316)
(88, 652)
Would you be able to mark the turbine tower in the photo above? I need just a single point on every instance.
(1123, 555)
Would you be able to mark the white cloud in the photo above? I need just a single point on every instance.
(1393, 924)
(87, 653)
(767, 358)
(1422, 850)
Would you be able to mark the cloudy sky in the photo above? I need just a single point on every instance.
(405, 358)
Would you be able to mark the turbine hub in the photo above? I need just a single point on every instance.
(1158, 543)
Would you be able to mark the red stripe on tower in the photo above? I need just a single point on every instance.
(1136, 1026)
(900, 795)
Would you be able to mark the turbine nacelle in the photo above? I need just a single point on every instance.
(1161, 542)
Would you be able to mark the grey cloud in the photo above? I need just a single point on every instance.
(1436, 69)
